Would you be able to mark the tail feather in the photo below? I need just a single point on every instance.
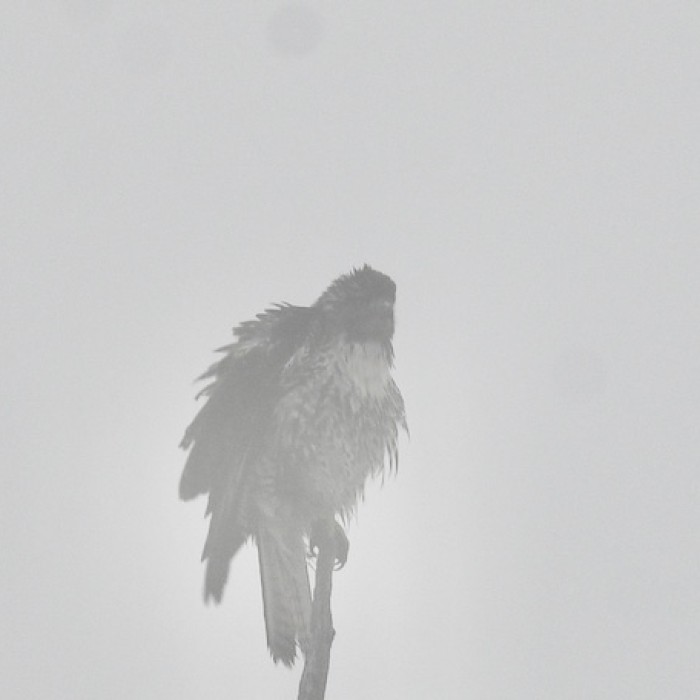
(286, 591)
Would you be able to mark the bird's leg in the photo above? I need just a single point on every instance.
(327, 532)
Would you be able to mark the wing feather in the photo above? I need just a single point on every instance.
(230, 433)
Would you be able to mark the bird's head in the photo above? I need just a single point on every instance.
(360, 305)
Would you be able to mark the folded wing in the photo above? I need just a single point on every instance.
(229, 435)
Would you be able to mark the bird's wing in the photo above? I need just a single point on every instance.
(230, 432)
(230, 428)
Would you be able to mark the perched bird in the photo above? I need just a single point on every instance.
(299, 412)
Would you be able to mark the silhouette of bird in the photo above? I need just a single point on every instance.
(300, 411)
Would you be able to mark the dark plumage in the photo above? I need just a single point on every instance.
(300, 410)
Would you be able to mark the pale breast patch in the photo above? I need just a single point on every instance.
(366, 367)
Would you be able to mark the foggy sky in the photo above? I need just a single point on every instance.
(527, 173)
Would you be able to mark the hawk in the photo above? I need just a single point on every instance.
(300, 411)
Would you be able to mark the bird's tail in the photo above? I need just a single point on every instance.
(286, 590)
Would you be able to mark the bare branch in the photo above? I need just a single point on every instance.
(313, 679)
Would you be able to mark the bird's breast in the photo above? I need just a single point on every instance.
(364, 368)
(335, 425)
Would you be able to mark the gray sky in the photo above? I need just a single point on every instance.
(526, 172)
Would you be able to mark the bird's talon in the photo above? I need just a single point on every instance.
(342, 546)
